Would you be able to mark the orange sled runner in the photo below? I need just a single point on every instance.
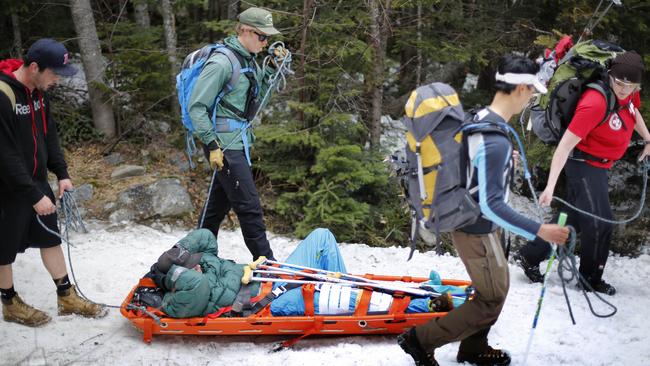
(395, 321)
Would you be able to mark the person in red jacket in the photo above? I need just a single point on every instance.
(29, 147)
(586, 152)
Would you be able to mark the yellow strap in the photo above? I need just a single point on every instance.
(5, 88)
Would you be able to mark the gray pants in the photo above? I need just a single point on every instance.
(470, 323)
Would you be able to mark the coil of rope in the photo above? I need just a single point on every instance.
(70, 219)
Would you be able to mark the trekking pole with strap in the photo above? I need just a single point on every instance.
(593, 21)
(561, 221)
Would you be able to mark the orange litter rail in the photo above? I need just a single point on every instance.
(395, 321)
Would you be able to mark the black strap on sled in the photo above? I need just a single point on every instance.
(243, 306)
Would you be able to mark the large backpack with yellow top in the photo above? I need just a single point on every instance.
(437, 163)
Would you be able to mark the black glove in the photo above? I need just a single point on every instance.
(158, 277)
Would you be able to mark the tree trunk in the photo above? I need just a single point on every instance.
(307, 9)
(91, 56)
(18, 39)
(379, 35)
(169, 24)
(142, 13)
(214, 13)
(233, 9)
(418, 48)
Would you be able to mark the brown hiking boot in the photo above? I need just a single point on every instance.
(72, 303)
(15, 310)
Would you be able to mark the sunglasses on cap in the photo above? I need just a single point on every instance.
(261, 37)
(624, 85)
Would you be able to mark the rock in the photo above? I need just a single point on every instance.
(170, 198)
(163, 198)
(179, 160)
(83, 193)
(164, 127)
(54, 185)
(120, 215)
(110, 207)
(125, 171)
(114, 159)
(393, 137)
(619, 179)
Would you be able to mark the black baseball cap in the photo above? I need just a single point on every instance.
(48, 53)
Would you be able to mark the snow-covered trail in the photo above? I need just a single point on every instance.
(109, 260)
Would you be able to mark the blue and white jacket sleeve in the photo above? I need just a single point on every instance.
(492, 159)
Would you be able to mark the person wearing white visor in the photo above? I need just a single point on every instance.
(528, 79)
(490, 170)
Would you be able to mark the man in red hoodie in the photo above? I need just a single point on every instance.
(29, 147)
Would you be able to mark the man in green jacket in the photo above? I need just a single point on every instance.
(227, 141)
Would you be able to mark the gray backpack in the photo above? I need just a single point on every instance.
(436, 164)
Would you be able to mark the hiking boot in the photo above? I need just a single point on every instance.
(72, 303)
(531, 271)
(489, 357)
(15, 310)
(599, 286)
(410, 344)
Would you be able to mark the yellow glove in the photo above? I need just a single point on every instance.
(280, 53)
(216, 159)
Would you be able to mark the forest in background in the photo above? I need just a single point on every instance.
(318, 159)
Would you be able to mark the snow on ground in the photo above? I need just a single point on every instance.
(108, 262)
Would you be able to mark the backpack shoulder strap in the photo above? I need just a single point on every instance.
(236, 61)
(610, 98)
(476, 122)
(6, 89)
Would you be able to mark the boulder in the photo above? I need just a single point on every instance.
(124, 171)
(163, 198)
(83, 193)
(114, 159)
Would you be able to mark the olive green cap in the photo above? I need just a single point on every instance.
(260, 19)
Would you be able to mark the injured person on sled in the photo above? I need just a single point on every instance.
(193, 281)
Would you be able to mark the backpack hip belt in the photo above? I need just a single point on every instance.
(225, 125)
(579, 155)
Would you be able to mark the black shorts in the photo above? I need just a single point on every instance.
(19, 228)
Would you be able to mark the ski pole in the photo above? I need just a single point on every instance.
(416, 285)
(561, 221)
(323, 278)
(342, 275)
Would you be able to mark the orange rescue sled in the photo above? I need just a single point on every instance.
(395, 321)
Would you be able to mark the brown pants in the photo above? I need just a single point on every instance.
(470, 323)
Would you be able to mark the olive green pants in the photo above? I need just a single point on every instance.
(470, 323)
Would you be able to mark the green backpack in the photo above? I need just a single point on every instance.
(584, 67)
